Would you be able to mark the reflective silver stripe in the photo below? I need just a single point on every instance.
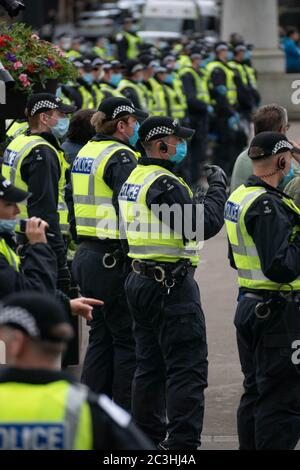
(62, 206)
(76, 397)
(86, 221)
(253, 274)
(96, 164)
(146, 227)
(240, 250)
(91, 200)
(161, 250)
(20, 154)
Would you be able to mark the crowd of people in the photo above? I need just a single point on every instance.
(86, 181)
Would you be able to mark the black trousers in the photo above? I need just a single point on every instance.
(269, 412)
(110, 361)
(171, 370)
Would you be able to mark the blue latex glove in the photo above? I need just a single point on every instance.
(210, 109)
(233, 122)
(222, 90)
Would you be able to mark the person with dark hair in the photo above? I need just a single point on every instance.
(292, 50)
(79, 133)
(130, 85)
(270, 117)
(41, 407)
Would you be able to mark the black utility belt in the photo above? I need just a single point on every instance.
(271, 300)
(112, 252)
(168, 274)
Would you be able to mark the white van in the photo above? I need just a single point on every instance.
(169, 19)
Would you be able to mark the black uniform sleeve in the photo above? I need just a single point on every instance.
(38, 272)
(270, 224)
(223, 107)
(40, 169)
(122, 47)
(116, 172)
(189, 86)
(113, 428)
(199, 221)
(132, 95)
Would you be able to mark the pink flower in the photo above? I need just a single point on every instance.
(24, 79)
(17, 65)
(35, 37)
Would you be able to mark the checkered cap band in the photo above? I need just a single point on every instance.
(43, 104)
(157, 131)
(280, 145)
(20, 317)
(121, 109)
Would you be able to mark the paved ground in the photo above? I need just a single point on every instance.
(217, 283)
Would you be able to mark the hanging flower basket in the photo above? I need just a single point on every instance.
(34, 64)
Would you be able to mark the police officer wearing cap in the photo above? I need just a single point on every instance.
(223, 90)
(112, 75)
(130, 85)
(263, 230)
(45, 409)
(163, 297)
(34, 162)
(36, 270)
(195, 86)
(86, 97)
(98, 173)
(128, 41)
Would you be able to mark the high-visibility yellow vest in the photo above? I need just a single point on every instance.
(17, 128)
(148, 237)
(240, 68)
(184, 61)
(11, 257)
(124, 83)
(200, 82)
(230, 84)
(72, 54)
(251, 73)
(177, 103)
(13, 157)
(133, 43)
(98, 94)
(88, 101)
(148, 96)
(250, 274)
(94, 211)
(109, 90)
(53, 416)
(160, 107)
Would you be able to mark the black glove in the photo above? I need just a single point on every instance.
(64, 280)
(215, 174)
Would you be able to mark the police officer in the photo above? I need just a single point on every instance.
(128, 41)
(36, 269)
(169, 325)
(130, 85)
(112, 75)
(160, 104)
(263, 230)
(221, 81)
(99, 266)
(195, 86)
(16, 127)
(86, 97)
(35, 163)
(41, 407)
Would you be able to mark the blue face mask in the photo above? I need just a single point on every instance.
(287, 178)
(115, 79)
(8, 226)
(181, 151)
(169, 79)
(61, 128)
(135, 136)
(88, 78)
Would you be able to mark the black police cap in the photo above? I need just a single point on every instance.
(266, 144)
(9, 193)
(115, 108)
(155, 128)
